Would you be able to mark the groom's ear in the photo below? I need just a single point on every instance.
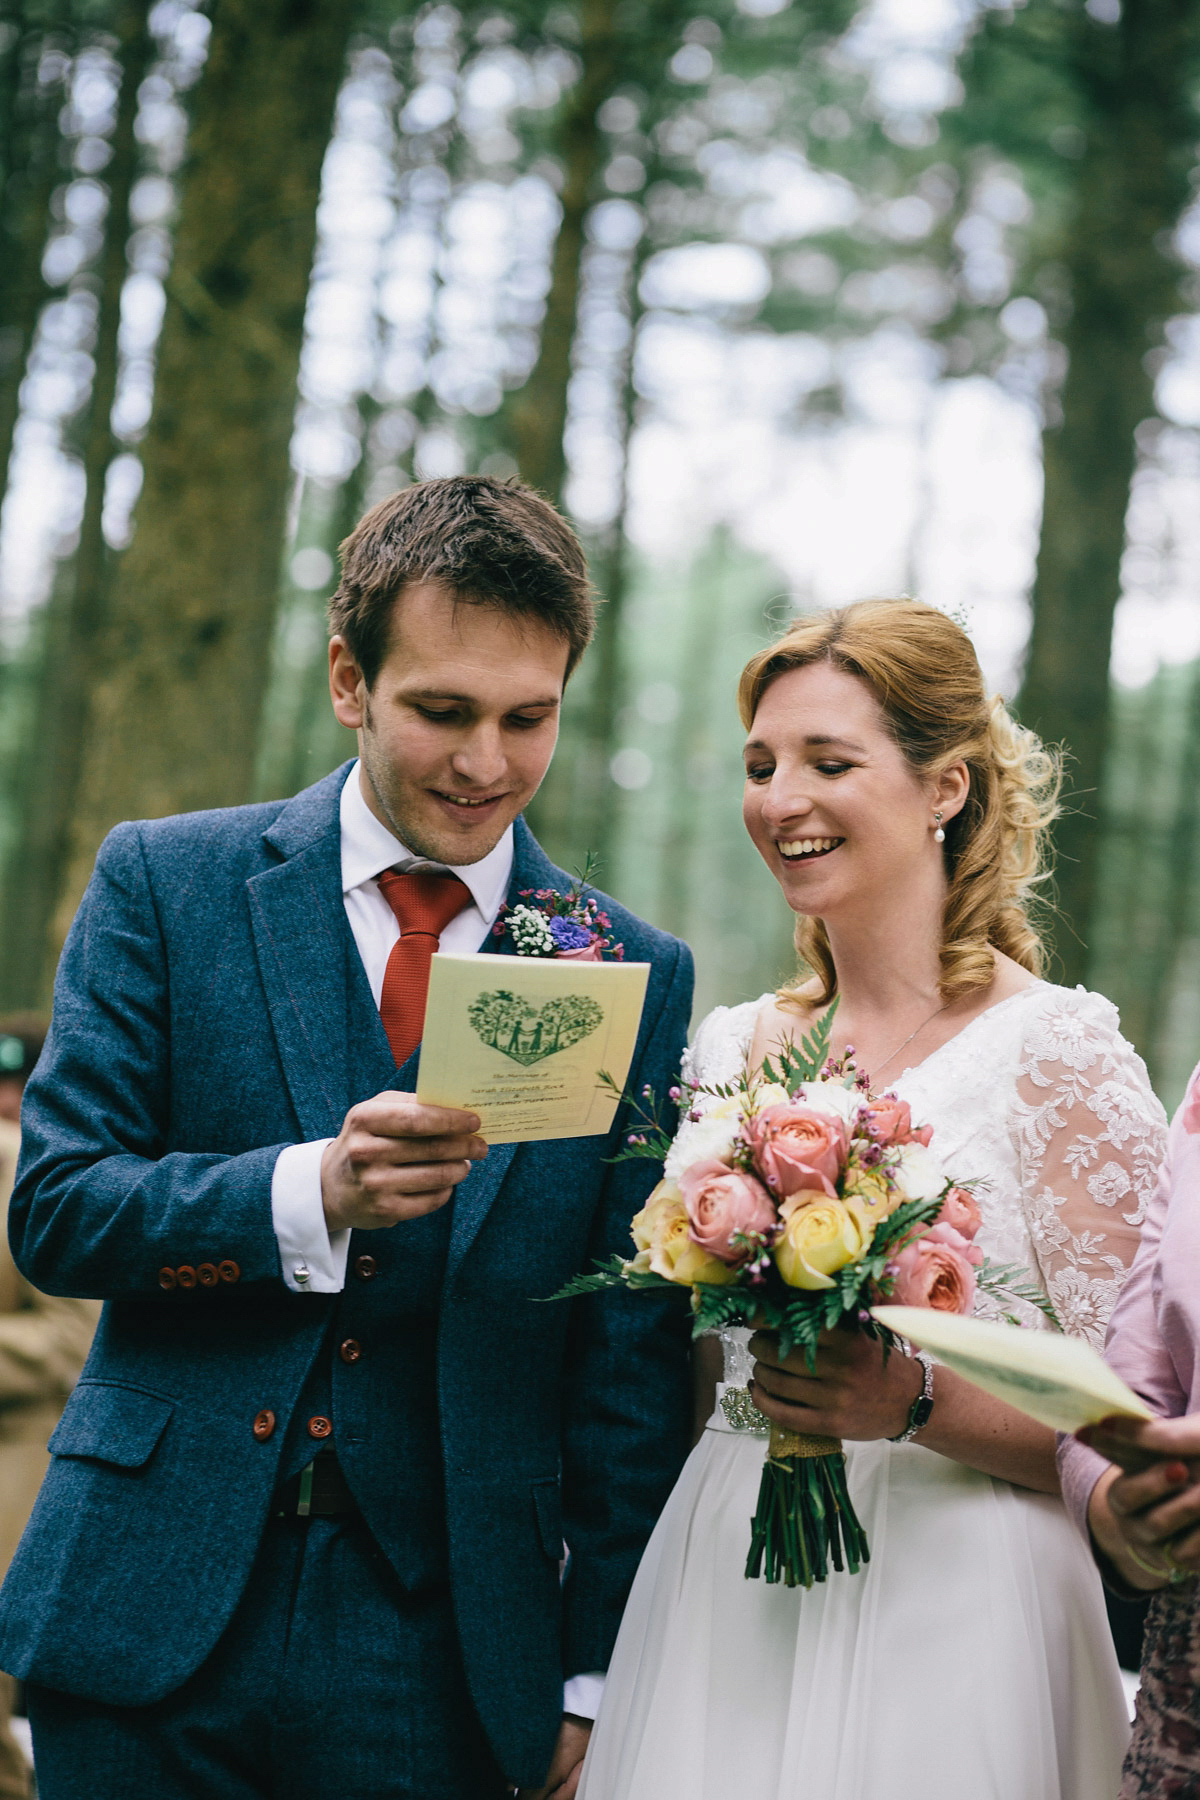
(347, 686)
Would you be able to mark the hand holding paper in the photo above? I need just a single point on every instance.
(1060, 1381)
(521, 1042)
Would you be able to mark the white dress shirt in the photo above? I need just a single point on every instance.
(313, 1257)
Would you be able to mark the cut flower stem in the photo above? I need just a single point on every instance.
(804, 1519)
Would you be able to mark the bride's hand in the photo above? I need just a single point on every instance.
(852, 1394)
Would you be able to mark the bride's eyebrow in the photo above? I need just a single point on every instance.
(818, 742)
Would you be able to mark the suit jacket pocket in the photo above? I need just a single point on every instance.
(113, 1423)
(547, 1500)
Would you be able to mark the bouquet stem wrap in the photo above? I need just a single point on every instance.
(804, 1519)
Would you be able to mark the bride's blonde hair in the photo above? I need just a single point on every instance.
(922, 669)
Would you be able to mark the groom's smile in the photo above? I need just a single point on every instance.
(457, 730)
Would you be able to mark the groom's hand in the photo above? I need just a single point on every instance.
(566, 1766)
(396, 1159)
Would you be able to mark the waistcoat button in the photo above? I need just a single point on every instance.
(167, 1278)
(263, 1425)
(350, 1351)
(365, 1267)
(185, 1275)
(229, 1271)
(206, 1274)
(320, 1428)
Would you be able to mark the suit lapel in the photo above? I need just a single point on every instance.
(298, 923)
(473, 1198)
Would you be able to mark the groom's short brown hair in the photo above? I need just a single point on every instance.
(493, 543)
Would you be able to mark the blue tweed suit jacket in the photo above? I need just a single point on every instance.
(200, 1024)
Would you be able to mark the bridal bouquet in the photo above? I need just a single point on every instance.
(797, 1202)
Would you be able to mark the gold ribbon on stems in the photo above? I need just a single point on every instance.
(783, 1443)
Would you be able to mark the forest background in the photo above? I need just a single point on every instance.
(785, 301)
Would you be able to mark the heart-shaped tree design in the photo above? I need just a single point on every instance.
(527, 1033)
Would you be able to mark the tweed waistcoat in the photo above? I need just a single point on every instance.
(387, 1316)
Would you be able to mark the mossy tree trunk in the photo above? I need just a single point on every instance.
(29, 152)
(174, 716)
(50, 784)
(539, 410)
(1135, 78)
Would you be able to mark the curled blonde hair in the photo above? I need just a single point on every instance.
(922, 669)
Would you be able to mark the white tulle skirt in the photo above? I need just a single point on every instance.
(970, 1661)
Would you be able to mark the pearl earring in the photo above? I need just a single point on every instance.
(939, 836)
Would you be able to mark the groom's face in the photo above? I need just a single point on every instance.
(460, 725)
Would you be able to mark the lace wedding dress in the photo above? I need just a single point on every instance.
(971, 1660)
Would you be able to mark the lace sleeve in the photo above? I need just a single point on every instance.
(1091, 1134)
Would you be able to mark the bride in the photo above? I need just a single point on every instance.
(903, 816)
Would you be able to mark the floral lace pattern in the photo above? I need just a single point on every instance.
(1043, 1103)
(1091, 1136)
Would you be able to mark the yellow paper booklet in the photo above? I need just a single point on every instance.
(1060, 1381)
(521, 1040)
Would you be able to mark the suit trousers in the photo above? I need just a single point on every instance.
(330, 1683)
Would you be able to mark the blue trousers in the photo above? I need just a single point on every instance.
(330, 1683)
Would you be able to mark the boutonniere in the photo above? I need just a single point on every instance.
(569, 926)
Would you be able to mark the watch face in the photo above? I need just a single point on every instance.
(921, 1412)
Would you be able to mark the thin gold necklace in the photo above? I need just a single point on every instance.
(912, 1034)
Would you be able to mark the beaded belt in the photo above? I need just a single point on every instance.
(736, 1411)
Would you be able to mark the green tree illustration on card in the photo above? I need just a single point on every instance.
(526, 1033)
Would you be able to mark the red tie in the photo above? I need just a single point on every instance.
(424, 905)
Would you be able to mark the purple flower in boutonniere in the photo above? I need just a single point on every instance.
(566, 926)
(575, 941)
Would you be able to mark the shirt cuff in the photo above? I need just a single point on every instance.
(313, 1258)
(581, 1695)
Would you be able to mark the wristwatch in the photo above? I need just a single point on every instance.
(921, 1410)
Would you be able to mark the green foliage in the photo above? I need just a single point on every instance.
(1009, 1281)
(795, 1064)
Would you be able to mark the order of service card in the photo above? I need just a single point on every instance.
(522, 1041)
(1060, 1381)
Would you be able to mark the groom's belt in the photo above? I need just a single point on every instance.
(319, 1491)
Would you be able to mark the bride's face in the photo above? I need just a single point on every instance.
(836, 812)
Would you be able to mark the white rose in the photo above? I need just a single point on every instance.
(919, 1174)
(832, 1097)
(710, 1136)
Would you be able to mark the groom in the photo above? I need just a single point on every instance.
(339, 1509)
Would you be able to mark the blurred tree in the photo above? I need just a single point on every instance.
(539, 409)
(174, 716)
(49, 783)
(36, 43)
(1096, 105)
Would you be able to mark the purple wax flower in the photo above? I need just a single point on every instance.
(568, 935)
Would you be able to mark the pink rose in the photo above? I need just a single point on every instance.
(588, 953)
(892, 1121)
(795, 1147)
(960, 1210)
(937, 1271)
(721, 1201)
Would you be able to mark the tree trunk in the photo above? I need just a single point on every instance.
(1132, 186)
(31, 172)
(76, 609)
(539, 410)
(174, 716)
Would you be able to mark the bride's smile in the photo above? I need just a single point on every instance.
(838, 814)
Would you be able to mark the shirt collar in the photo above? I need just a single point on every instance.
(368, 848)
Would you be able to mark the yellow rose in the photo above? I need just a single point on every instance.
(647, 1224)
(869, 1198)
(661, 1233)
(818, 1239)
(694, 1264)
